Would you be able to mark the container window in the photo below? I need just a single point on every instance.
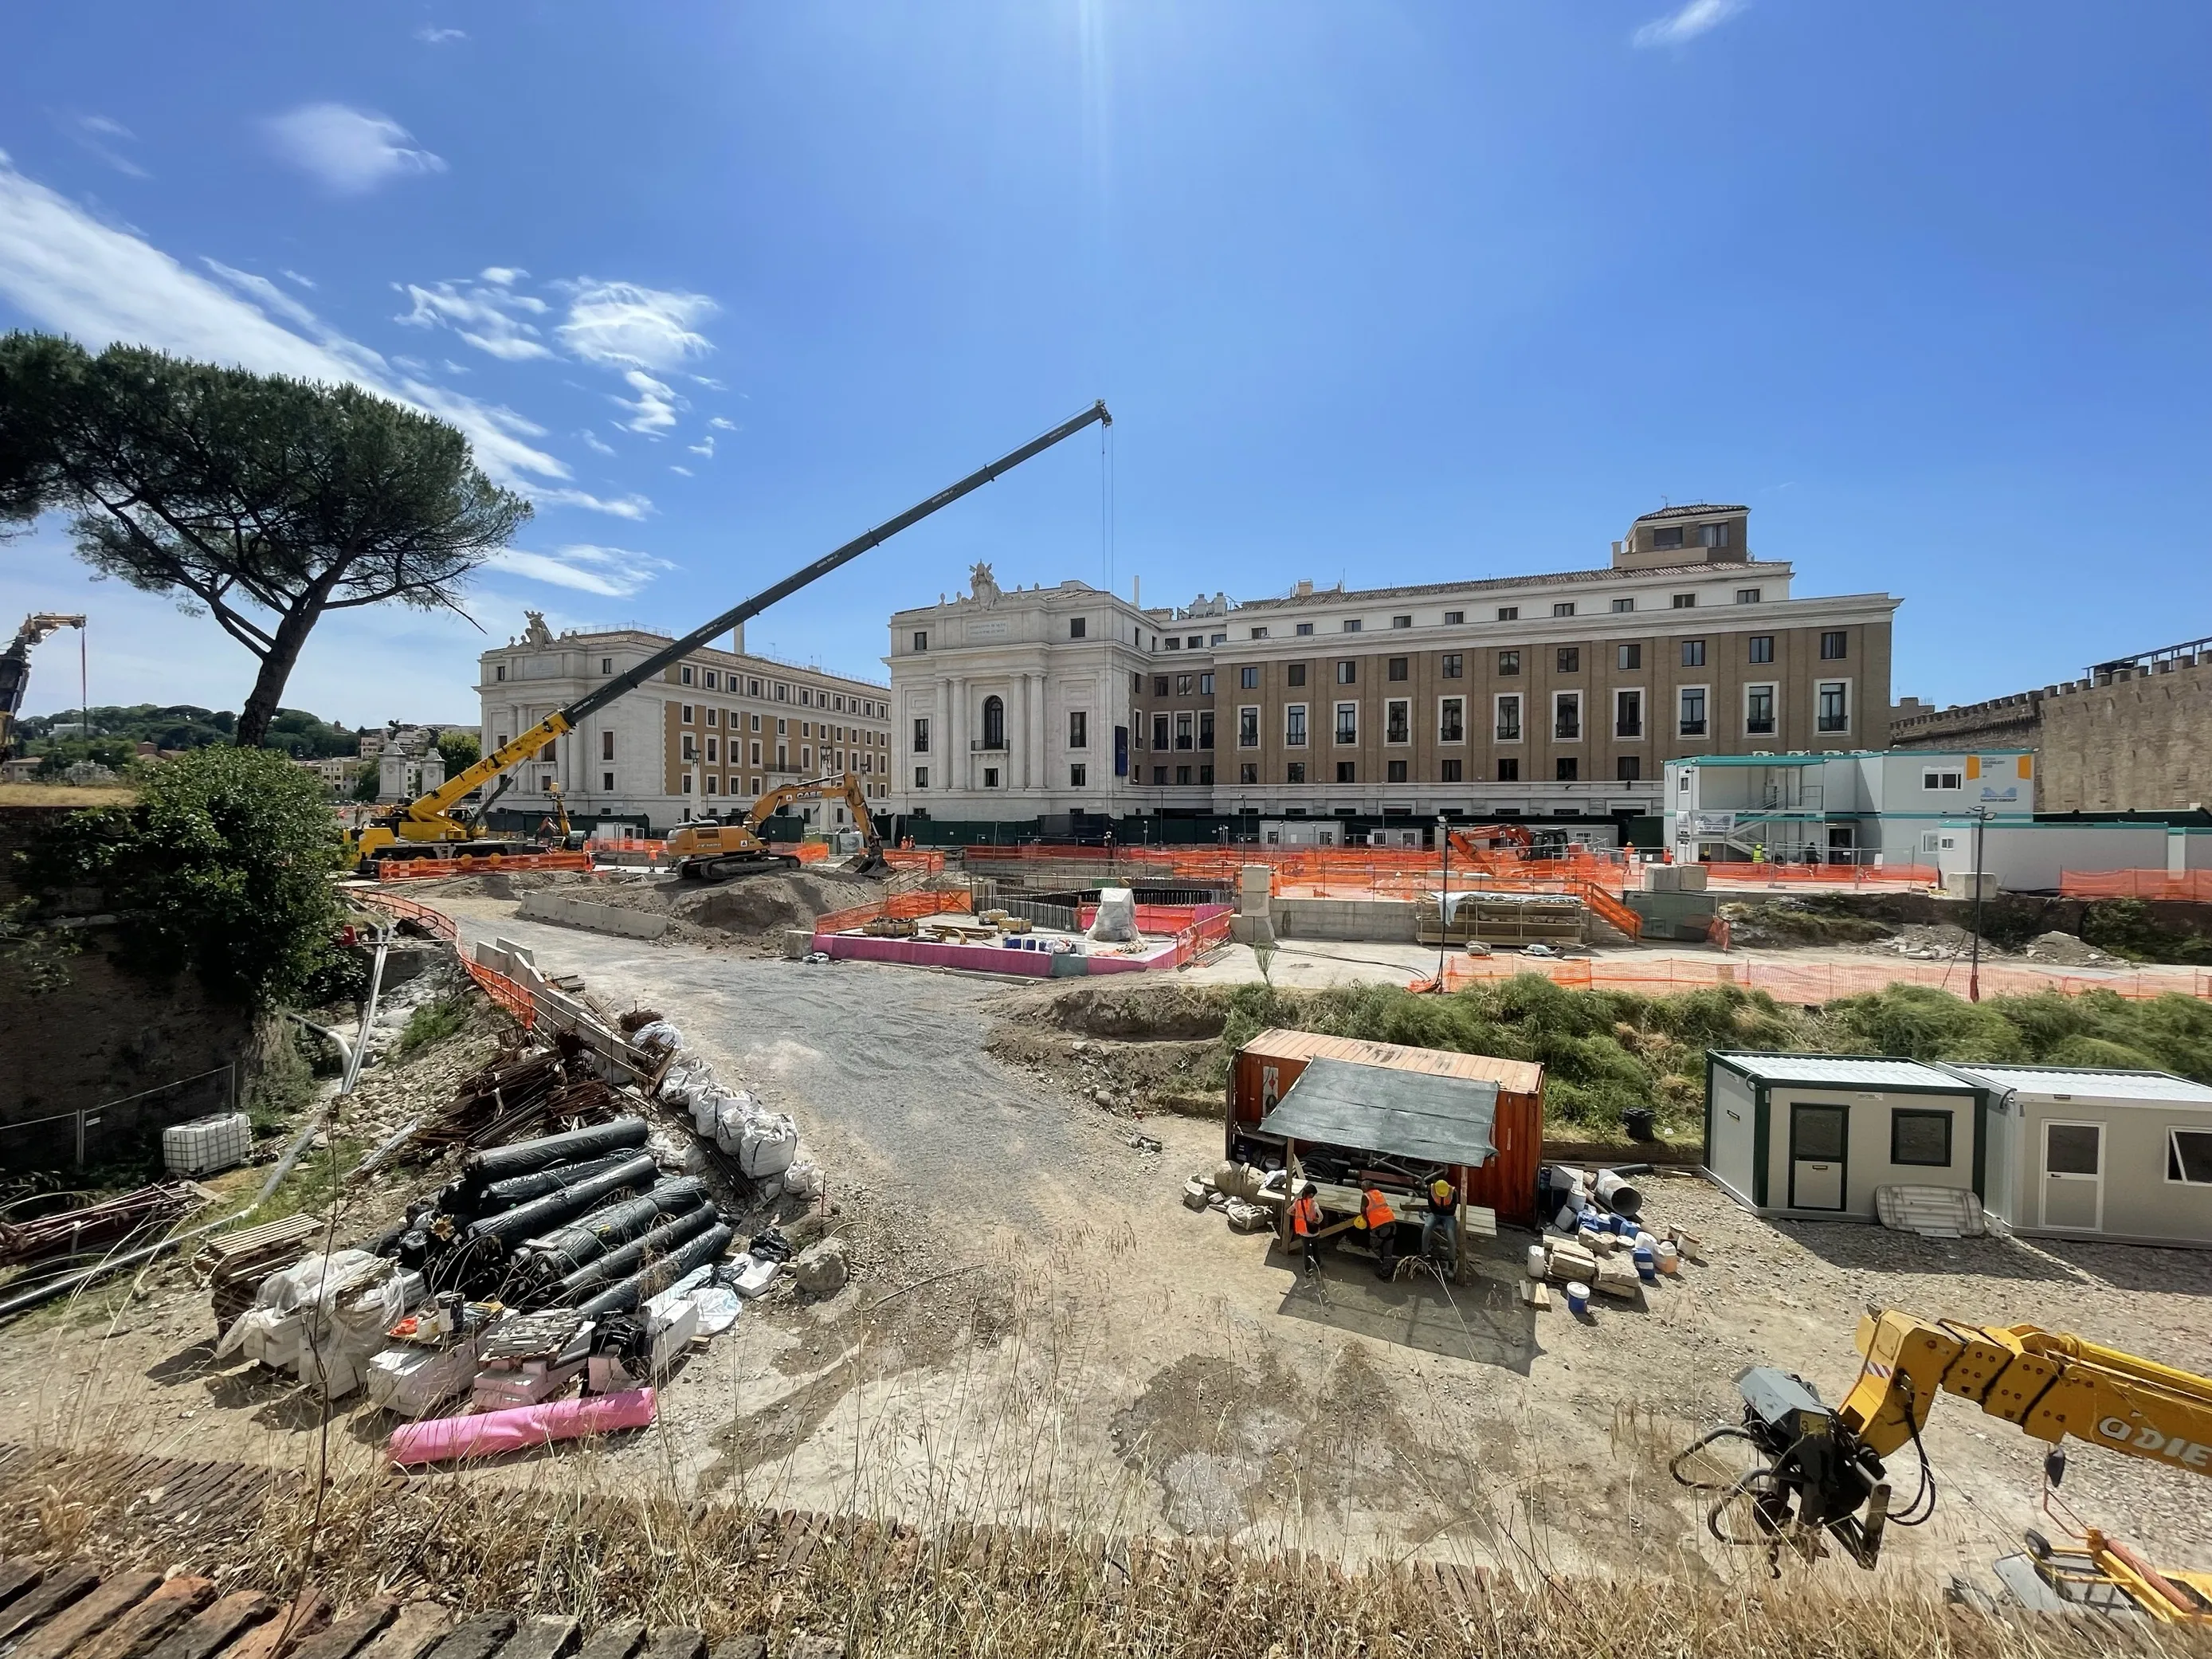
(1920, 1136)
(2189, 1156)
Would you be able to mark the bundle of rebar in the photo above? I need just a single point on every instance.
(523, 1092)
(92, 1227)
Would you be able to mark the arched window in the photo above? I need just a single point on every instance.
(995, 723)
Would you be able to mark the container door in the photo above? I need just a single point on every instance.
(2073, 1176)
(1818, 1135)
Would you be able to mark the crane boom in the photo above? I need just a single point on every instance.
(430, 817)
(15, 670)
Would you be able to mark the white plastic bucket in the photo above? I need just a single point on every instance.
(1539, 1263)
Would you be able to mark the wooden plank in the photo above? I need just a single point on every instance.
(676, 1642)
(347, 1634)
(208, 1631)
(18, 1577)
(549, 1636)
(301, 1618)
(420, 1627)
(60, 1587)
(616, 1641)
(145, 1625)
(88, 1616)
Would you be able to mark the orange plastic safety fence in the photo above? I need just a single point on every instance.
(505, 992)
(516, 999)
(914, 859)
(906, 906)
(437, 922)
(1823, 875)
(1813, 983)
(432, 869)
(2188, 887)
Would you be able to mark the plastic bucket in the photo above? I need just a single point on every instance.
(1577, 1297)
(1539, 1263)
(1666, 1258)
(1647, 1264)
(1624, 1226)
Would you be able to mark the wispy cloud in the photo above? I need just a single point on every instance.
(620, 325)
(430, 35)
(103, 135)
(653, 412)
(65, 269)
(350, 151)
(720, 424)
(613, 571)
(483, 316)
(291, 276)
(633, 507)
(685, 471)
(1694, 19)
(704, 447)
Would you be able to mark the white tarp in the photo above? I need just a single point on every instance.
(1116, 921)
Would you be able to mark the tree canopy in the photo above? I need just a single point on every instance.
(260, 500)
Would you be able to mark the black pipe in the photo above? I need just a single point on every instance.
(621, 1263)
(510, 1227)
(551, 1254)
(529, 1157)
(521, 1189)
(622, 1297)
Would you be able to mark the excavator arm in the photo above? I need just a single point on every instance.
(16, 668)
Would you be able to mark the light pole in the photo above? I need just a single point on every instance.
(1444, 902)
(1974, 960)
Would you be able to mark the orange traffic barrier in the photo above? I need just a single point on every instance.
(902, 906)
(2188, 887)
(432, 869)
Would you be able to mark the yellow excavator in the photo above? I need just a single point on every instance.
(1819, 1468)
(435, 825)
(15, 669)
(715, 851)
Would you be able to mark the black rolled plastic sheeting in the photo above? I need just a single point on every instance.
(529, 1157)
(620, 1264)
(510, 1227)
(521, 1189)
(622, 1297)
(552, 1254)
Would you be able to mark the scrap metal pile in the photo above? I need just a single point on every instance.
(1598, 1238)
(526, 1090)
(96, 1226)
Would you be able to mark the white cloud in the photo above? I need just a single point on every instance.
(720, 424)
(685, 471)
(654, 412)
(292, 276)
(264, 293)
(432, 36)
(614, 572)
(633, 507)
(65, 270)
(622, 325)
(504, 276)
(350, 150)
(99, 134)
(704, 447)
(484, 317)
(593, 441)
(1694, 20)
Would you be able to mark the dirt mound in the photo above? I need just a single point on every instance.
(2065, 950)
(494, 884)
(1785, 922)
(1130, 1009)
(754, 906)
(1937, 941)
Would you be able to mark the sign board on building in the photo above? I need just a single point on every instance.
(1712, 824)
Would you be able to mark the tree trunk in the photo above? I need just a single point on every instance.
(276, 666)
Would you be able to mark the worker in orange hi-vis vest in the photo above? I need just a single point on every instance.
(1380, 1221)
(1305, 1223)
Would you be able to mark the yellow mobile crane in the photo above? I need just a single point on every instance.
(714, 851)
(15, 670)
(1821, 1469)
(432, 826)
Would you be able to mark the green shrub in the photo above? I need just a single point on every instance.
(433, 1022)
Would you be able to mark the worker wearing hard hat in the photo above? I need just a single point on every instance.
(1305, 1225)
(1442, 1218)
(1379, 1223)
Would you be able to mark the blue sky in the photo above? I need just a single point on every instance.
(1388, 292)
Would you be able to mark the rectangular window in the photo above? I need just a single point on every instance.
(1671, 538)
(1835, 710)
(1077, 628)
(1619, 605)
(1509, 719)
(1136, 685)
(1206, 685)
(1352, 626)
(1183, 685)
(1571, 659)
(1451, 720)
(1758, 711)
(1175, 644)
(1919, 1136)
(1693, 653)
(1206, 775)
(1685, 602)
(1295, 674)
(1628, 714)
(685, 674)
(1509, 662)
(1447, 771)
(1248, 679)
(782, 691)
(1249, 772)
(1397, 670)
(606, 746)
(714, 750)
(1347, 670)
(1348, 722)
(1206, 728)
(920, 735)
(1346, 772)
(1247, 726)
(1567, 769)
(1401, 622)
(1183, 774)
(1159, 731)
(1294, 725)
(1692, 722)
(1941, 780)
(1183, 730)
(713, 683)
(1714, 535)
(1564, 608)
(1078, 776)
(1509, 613)
(1078, 729)
(1259, 633)
(1397, 721)
(690, 714)
(1628, 656)
(1194, 641)
(606, 664)
(687, 783)
(757, 758)
(1628, 768)
(1509, 769)
(607, 782)
(1567, 714)
(1746, 596)
(2189, 1156)
(1305, 628)
(1453, 666)
(1159, 685)
(1159, 775)
(920, 643)
(714, 717)
(1395, 772)
(752, 690)
(1295, 771)
(1832, 645)
(690, 747)
(1762, 647)
(1454, 618)
(921, 777)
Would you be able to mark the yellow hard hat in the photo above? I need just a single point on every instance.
(1441, 1187)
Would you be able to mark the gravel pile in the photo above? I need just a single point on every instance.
(2065, 950)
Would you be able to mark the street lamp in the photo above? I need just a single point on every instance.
(1974, 960)
(1444, 901)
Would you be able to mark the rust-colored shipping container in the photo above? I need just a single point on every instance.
(1267, 1065)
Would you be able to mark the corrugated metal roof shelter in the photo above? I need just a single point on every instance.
(1852, 1070)
(1520, 1076)
(1431, 1117)
(2160, 1088)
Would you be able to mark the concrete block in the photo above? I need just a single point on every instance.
(1252, 929)
(544, 906)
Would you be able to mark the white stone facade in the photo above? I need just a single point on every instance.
(707, 737)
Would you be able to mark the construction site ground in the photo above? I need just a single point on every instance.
(1038, 1329)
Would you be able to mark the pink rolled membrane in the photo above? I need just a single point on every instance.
(487, 1434)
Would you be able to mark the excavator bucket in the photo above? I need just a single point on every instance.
(868, 862)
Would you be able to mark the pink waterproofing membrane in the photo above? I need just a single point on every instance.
(489, 1433)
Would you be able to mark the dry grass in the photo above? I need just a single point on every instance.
(66, 794)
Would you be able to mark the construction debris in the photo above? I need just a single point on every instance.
(529, 1090)
(96, 1226)
(233, 1264)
